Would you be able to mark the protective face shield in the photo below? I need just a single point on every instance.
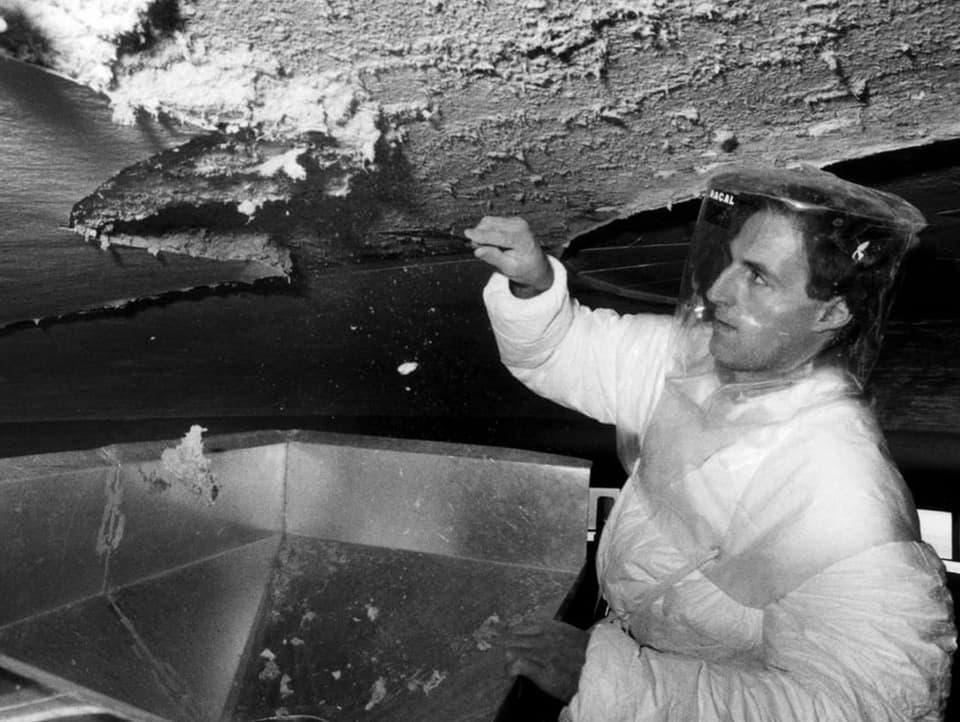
(851, 240)
(789, 280)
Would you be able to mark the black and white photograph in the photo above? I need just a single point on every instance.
(479, 360)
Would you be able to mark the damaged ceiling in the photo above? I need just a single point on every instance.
(315, 126)
(219, 176)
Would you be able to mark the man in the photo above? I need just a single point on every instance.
(763, 559)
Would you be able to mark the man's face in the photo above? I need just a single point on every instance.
(765, 325)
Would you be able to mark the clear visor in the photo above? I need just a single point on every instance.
(772, 249)
(850, 241)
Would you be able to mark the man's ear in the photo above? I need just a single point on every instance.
(834, 315)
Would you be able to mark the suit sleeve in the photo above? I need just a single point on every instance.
(595, 361)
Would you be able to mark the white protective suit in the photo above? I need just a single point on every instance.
(763, 561)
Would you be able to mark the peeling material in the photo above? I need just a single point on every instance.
(222, 197)
(831, 126)
(188, 465)
(473, 98)
(286, 162)
(80, 39)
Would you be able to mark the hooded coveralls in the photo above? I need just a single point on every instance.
(763, 559)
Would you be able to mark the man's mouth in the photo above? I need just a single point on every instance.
(720, 323)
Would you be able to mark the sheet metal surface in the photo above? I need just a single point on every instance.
(373, 569)
(354, 632)
(166, 648)
(469, 501)
(167, 525)
(49, 554)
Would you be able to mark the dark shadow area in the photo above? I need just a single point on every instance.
(929, 177)
(22, 40)
(897, 168)
(263, 288)
(637, 259)
(160, 20)
(55, 107)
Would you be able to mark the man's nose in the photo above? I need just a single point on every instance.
(721, 290)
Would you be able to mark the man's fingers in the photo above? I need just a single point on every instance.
(549, 653)
(526, 667)
(489, 254)
(511, 224)
(543, 629)
(527, 635)
(510, 233)
(490, 236)
(555, 681)
(482, 237)
(509, 246)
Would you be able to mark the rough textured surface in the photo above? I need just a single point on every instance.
(569, 113)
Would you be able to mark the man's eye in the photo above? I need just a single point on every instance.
(757, 278)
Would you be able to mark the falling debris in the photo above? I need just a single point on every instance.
(407, 368)
(188, 465)
(372, 613)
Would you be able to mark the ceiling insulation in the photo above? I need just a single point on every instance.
(434, 114)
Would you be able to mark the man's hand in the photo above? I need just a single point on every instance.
(550, 654)
(508, 245)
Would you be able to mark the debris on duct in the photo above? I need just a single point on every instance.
(187, 464)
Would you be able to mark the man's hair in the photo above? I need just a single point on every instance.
(857, 259)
